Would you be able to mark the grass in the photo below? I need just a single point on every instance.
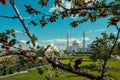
(64, 75)
(31, 75)
(34, 75)
(114, 63)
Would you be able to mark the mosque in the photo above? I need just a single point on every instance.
(76, 47)
(72, 49)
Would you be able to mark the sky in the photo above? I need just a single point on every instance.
(52, 33)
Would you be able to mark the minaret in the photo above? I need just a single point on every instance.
(68, 37)
(83, 41)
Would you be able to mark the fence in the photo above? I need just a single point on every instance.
(18, 68)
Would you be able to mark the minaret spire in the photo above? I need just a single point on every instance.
(68, 37)
(84, 41)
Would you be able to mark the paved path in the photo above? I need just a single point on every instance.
(116, 56)
(14, 74)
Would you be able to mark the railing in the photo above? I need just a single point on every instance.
(18, 68)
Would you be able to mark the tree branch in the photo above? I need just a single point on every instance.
(109, 54)
(20, 18)
(72, 70)
(11, 17)
(88, 8)
(60, 65)
(6, 53)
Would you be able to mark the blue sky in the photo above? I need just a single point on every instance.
(53, 32)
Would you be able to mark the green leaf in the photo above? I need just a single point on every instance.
(0, 34)
(27, 42)
(3, 35)
(20, 46)
(40, 53)
(40, 71)
(69, 64)
(12, 42)
(34, 41)
(13, 33)
(43, 3)
(108, 25)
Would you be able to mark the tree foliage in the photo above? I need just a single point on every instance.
(101, 46)
(87, 10)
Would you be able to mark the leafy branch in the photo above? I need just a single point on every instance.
(60, 65)
(20, 18)
(110, 53)
(90, 13)
(11, 17)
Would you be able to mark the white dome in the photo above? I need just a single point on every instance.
(75, 42)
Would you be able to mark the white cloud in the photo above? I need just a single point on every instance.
(91, 0)
(75, 17)
(63, 1)
(99, 30)
(68, 5)
(86, 38)
(55, 41)
(23, 41)
(118, 40)
(115, 32)
(61, 42)
(55, 8)
(90, 31)
(18, 31)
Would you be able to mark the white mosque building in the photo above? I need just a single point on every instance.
(76, 47)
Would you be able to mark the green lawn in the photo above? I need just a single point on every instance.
(64, 75)
(34, 75)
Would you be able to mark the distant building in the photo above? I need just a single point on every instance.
(89, 47)
(76, 47)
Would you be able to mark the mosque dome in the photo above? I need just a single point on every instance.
(75, 42)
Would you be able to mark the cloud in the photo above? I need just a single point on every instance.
(18, 31)
(55, 41)
(99, 30)
(57, 9)
(90, 31)
(23, 41)
(61, 42)
(118, 40)
(115, 32)
(87, 38)
(68, 5)
(75, 17)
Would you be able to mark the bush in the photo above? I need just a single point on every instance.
(92, 67)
